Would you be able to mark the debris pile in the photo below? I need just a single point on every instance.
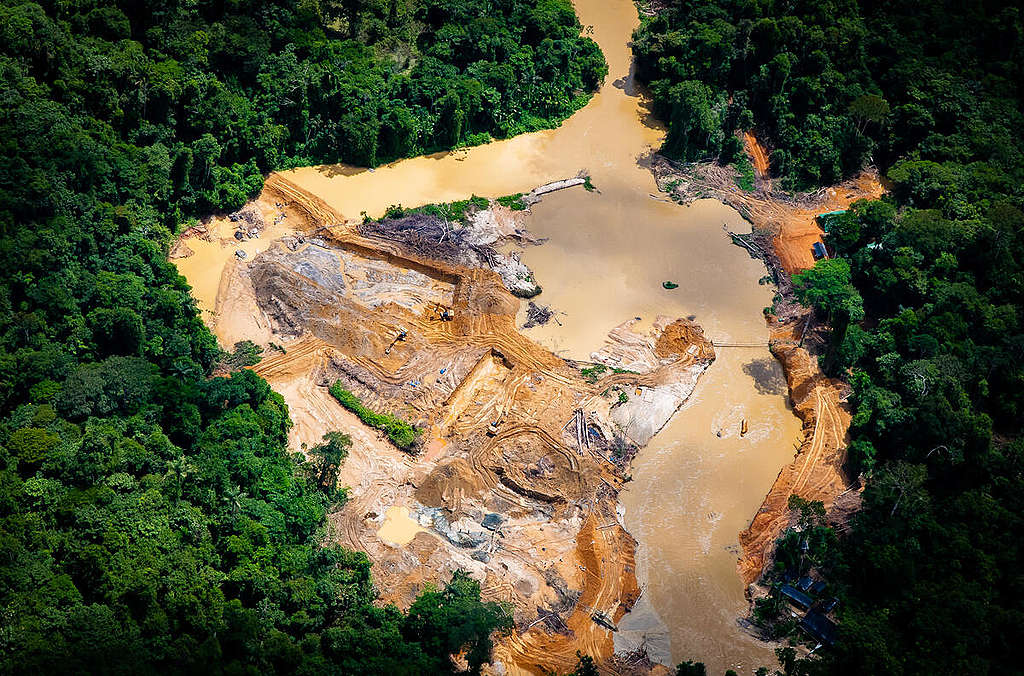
(537, 315)
(248, 222)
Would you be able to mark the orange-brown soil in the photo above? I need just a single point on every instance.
(758, 155)
(816, 472)
(790, 219)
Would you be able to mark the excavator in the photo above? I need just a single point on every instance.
(402, 333)
(444, 314)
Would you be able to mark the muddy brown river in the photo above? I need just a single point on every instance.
(699, 482)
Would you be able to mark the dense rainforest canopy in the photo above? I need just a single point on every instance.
(151, 518)
(925, 296)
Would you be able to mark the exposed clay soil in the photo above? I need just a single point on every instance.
(758, 155)
(816, 472)
(529, 507)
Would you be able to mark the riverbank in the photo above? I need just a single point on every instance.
(784, 229)
(605, 261)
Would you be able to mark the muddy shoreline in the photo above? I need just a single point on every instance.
(815, 472)
(609, 253)
(781, 223)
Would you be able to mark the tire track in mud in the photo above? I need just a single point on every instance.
(816, 472)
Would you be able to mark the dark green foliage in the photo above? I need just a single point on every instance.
(695, 114)
(800, 551)
(513, 202)
(128, 550)
(691, 668)
(745, 169)
(325, 462)
(452, 619)
(246, 353)
(151, 520)
(830, 85)
(585, 666)
(810, 544)
(827, 288)
(450, 211)
(402, 434)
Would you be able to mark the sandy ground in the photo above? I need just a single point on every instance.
(530, 510)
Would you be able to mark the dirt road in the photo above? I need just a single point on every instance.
(758, 155)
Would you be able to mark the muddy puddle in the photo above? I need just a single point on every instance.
(398, 528)
(699, 482)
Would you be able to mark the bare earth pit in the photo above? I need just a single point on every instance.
(522, 457)
(534, 509)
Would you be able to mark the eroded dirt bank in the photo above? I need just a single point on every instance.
(784, 229)
(816, 472)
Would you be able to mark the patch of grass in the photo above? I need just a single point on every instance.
(623, 397)
(592, 373)
(745, 180)
(402, 434)
(513, 202)
(452, 211)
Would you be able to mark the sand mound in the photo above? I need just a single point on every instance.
(679, 337)
(447, 485)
